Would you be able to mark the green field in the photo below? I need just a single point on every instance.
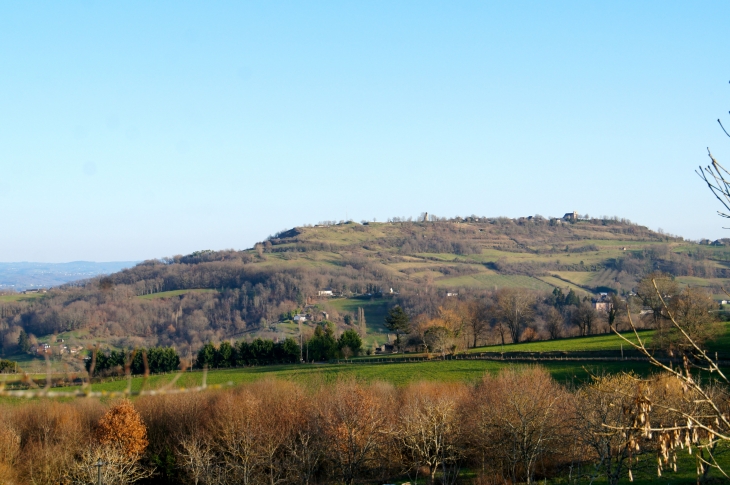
(375, 311)
(575, 344)
(492, 281)
(20, 297)
(399, 373)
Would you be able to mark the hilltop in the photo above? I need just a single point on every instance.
(215, 295)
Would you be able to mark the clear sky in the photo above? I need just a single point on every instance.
(133, 130)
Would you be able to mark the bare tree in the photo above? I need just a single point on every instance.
(305, 446)
(429, 427)
(521, 417)
(554, 322)
(196, 457)
(692, 308)
(120, 468)
(699, 420)
(602, 423)
(237, 426)
(361, 322)
(356, 425)
(585, 317)
(478, 316)
(515, 309)
(653, 289)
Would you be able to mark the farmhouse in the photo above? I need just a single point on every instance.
(41, 349)
(325, 292)
(300, 318)
(602, 303)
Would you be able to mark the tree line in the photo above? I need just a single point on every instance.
(139, 361)
(511, 315)
(321, 346)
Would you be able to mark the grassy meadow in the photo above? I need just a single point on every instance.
(396, 373)
(13, 297)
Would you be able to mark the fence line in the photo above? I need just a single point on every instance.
(516, 358)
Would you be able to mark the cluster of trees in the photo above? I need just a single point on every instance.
(324, 346)
(518, 426)
(508, 315)
(321, 346)
(140, 361)
(7, 366)
(258, 352)
(52, 443)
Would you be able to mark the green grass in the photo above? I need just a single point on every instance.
(492, 281)
(399, 374)
(575, 344)
(696, 281)
(582, 278)
(169, 294)
(645, 471)
(375, 311)
(13, 297)
(558, 283)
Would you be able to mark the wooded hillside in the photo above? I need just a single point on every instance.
(186, 301)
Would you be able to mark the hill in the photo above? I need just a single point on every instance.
(215, 295)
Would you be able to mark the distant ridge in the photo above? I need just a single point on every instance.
(26, 275)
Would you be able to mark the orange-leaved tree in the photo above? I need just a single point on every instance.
(122, 426)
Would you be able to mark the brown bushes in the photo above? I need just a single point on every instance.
(517, 426)
(522, 422)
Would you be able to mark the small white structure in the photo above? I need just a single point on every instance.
(300, 318)
(325, 292)
(452, 294)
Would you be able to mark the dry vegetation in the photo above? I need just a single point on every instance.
(515, 426)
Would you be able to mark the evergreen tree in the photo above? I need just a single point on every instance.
(206, 355)
(322, 345)
(24, 341)
(225, 355)
(572, 298)
(350, 339)
(291, 350)
(398, 322)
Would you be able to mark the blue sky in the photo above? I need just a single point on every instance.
(133, 130)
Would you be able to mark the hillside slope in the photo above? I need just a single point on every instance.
(213, 295)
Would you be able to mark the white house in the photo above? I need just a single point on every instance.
(325, 292)
(300, 318)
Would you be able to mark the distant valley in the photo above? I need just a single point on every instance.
(26, 275)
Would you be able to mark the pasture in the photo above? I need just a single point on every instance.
(13, 297)
(396, 373)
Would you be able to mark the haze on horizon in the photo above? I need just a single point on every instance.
(131, 130)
